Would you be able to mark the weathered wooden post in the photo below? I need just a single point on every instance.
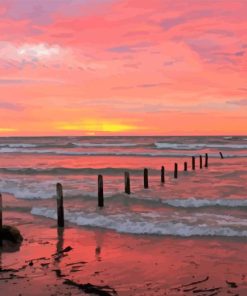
(60, 211)
(145, 175)
(185, 166)
(221, 155)
(127, 182)
(1, 218)
(100, 191)
(193, 163)
(162, 174)
(200, 162)
(175, 170)
(206, 160)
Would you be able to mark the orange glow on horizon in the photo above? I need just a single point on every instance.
(93, 126)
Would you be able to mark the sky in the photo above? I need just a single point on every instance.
(123, 67)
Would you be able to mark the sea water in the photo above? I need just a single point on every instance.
(205, 202)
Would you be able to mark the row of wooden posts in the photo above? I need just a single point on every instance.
(59, 187)
(60, 211)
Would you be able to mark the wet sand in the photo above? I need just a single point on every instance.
(128, 264)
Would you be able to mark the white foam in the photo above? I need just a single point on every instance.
(26, 187)
(198, 203)
(193, 202)
(19, 145)
(137, 223)
(179, 146)
(107, 153)
(105, 144)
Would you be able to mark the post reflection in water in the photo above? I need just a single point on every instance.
(99, 239)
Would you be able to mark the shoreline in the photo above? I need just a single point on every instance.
(129, 264)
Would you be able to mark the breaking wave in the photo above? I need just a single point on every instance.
(68, 171)
(197, 146)
(155, 224)
(107, 153)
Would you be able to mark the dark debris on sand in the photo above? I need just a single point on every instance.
(193, 288)
(92, 289)
(200, 287)
(44, 262)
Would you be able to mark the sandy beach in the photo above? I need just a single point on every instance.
(125, 264)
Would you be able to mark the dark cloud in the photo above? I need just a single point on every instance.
(41, 12)
(239, 53)
(11, 106)
(121, 49)
(220, 32)
(14, 81)
(242, 102)
(169, 23)
(63, 35)
(144, 85)
(27, 81)
(130, 48)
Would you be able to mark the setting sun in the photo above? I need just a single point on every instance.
(95, 126)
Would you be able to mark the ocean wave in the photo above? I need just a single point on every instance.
(155, 224)
(71, 145)
(192, 202)
(179, 146)
(37, 145)
(107, 153)
(199, 203)
(68, 171)
(106, 144)
(24, 189)
(19, 145)
(34, 188)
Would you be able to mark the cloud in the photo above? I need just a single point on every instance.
(14, 81)
(11, 106)
(38, 51)
(172, 22)
(30, 52)
(44, 55)
(169, 23)
(239, 53)
(242, 102)
(143, 85)
(121, 49)
(130, 48)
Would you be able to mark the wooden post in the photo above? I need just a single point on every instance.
(100, 191)
(162, 174)
(1, 219)
(60, 211)
(145, 178)
(175, 170)
(206, 160)
(221, 155)
(200, 162)
(185, 166)
(127, 182)
(193, 163)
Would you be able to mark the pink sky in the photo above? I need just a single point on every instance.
(97, 67)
